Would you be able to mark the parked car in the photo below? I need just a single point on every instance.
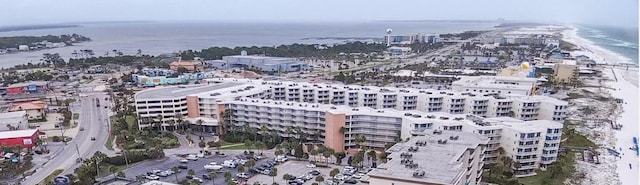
(314, 172)
(197, 179)
(311, 165)
(183, 160)
(242, 175)
(189, 177)
(183, 167)
(93, 138)
(81, 128)
(358, 176)
(205, 176)
(351, 181)
(152, 177)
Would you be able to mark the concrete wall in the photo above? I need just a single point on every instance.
(193, 110)
(333, 138)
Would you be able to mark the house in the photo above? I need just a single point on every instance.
(23, 47)
(35, 109)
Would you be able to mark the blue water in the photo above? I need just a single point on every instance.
(622, 41)
(155, 38)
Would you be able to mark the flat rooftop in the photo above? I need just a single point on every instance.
(17, 133)
(180, 91)
(16, 114)
(442, 163)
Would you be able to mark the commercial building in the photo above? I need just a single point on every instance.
(495, 84)
(440, 157)
(383, 115)
(38, 87)
(261, 63)
(150, 81)
(565, 71)
(398, 52)
(24, 138)
(13, 121)
(182, 64)
(155, 182)
(410, 38)
(35, 109)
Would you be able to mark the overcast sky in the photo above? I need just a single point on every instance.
(603, 12)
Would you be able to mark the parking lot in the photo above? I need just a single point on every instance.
(297, 169)
(198, 166)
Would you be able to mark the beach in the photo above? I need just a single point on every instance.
(626, 88)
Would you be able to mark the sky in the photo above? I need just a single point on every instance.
(619, 13)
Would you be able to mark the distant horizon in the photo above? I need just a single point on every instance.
(499, 21)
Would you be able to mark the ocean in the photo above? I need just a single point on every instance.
(622, 41)
(155, 38)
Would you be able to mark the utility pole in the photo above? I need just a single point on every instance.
(126, 161)
(78, 151)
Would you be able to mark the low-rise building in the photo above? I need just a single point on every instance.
(13, 121)
(496, 84)
(35, 109)
(190, 66)
(24, 138)
(261, 63)
(566, 71)
(437, 158)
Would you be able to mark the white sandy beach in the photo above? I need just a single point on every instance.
(626, 88)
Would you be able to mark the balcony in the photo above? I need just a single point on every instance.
(527, 160)
(526, 153)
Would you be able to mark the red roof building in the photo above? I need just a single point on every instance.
(24, 138)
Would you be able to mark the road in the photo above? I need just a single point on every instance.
(94, 119)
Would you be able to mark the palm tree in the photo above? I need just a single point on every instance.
(213, 176)
(158, 122)
(372, 156)
(313, 153)
(175, 170)
(360, 139)
(326, 154)
(114, 170)
(171, 123)
(273, 173)
(200, 122)
(180, 120)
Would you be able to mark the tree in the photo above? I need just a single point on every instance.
(200, 122)
(175, 170)
(251, 163)
(213, 176)
(217, 144)
(248, 144)
(260, 145)
(326, 154)
(372, 156)
(158, 123)
(334, 172)
(113, 170)
(240, 169)
(273, 173)
(360, 139)
(383, 157)
(319, 179)
(191, 172)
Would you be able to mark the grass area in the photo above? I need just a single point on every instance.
(234, 147)
(546, 177)
(76, 115)
(577, 140)
(104, 169)
(50, 177)
(109, 143)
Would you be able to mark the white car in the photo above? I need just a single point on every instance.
(152, 177)
(311, 165)
(358, 176)
(192, 157)
(183, 160)
(242, 175)
(197, 179)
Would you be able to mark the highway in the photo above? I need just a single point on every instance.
(94, 119)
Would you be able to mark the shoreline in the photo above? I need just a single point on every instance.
(626, 88)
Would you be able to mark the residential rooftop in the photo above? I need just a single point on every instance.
(442, 163)
(180, 91)
(15, 114)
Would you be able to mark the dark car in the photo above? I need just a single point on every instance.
(189, 177)
(205, 176)
(252, 170)
(351, 181)
(183, 167)
(93, 138)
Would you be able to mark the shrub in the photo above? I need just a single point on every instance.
(55, 139)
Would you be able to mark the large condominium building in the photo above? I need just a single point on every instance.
(531, 144)
(495, 84)
(206, 100)
(443, 158)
